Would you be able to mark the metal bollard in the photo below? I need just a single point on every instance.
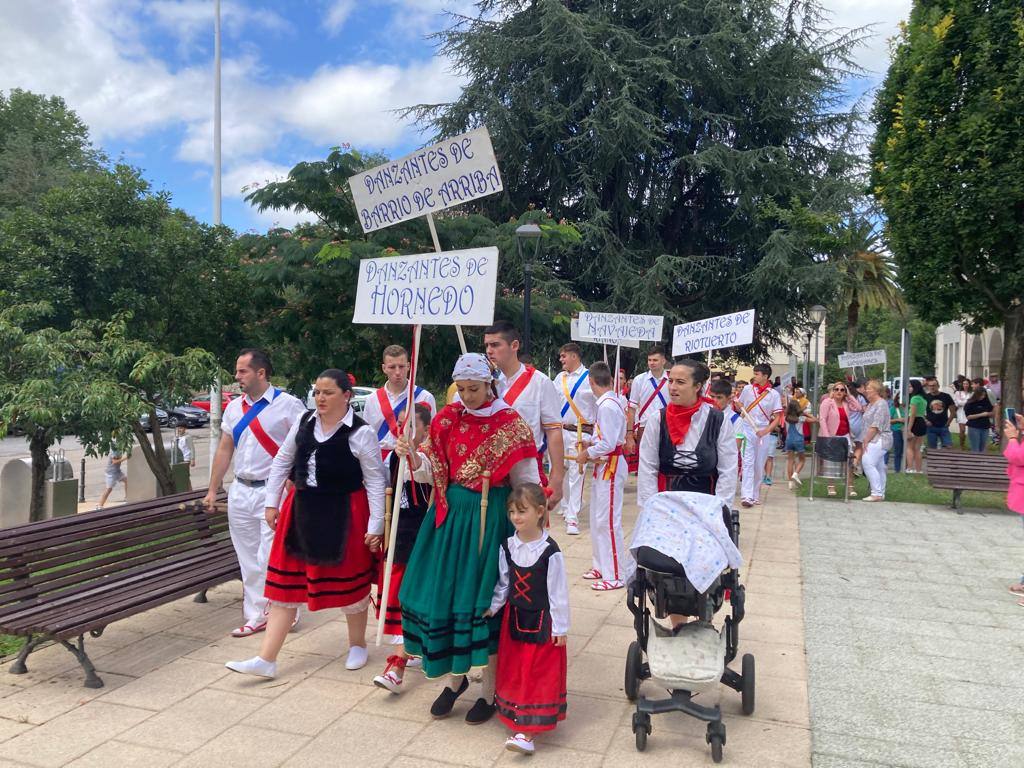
(81, 482)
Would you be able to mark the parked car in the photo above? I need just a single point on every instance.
(188, 416)
(161, 417)
(358, 402)
(203, 401)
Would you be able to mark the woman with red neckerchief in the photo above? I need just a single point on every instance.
(450, 577)
(692, 446)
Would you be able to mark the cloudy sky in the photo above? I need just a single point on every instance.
(298, 77)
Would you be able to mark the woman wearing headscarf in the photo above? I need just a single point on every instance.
(450, 576)
(327, 527)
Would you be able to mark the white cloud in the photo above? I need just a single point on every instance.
(189, 20)
(883, 15)
(337, 14)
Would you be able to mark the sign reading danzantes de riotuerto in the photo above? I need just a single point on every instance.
(722, 332)
(620, 327)
(448, 288)
(440, 176)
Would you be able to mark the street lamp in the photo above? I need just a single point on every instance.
(527, 232)
(818, 314)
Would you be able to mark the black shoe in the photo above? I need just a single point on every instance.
(480, 712)
(442, 706)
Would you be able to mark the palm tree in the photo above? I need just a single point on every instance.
(867, 276)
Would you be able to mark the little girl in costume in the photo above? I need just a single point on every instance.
(413, 508)
(530, 685)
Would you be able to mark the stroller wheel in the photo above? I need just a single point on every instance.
(634, 671)
(641, 728)
(716, 738)
(748, 684)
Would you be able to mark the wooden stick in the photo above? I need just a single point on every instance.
(219, 506)
(485, 490)
(437, 248)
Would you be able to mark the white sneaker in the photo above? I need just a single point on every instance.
(519, 743)
(414, 664)
(254, 666)
(572, 529)
(357, 657)
(796, 479)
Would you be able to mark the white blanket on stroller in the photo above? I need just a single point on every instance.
(688, 527)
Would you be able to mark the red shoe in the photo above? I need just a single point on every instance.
(592, 574)
(391, 679)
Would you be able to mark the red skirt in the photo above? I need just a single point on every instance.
(393, 609)
(529, 688)
(292, 580)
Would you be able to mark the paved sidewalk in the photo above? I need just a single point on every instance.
(169, 700)
(915, 649)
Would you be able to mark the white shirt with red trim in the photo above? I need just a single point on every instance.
(643, 387)
(609, 426)
(374, 416)
(252, 462)
(539, 403)
(768, 407)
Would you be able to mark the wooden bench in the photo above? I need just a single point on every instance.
(65, 578)
(959, 471)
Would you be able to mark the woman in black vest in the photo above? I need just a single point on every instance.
(327, 527)
(690, 445)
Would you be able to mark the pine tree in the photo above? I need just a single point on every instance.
(683, 137)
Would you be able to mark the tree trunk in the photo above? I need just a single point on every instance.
(852, 321)
(38, 443)
(155, 454)
(1013, 358)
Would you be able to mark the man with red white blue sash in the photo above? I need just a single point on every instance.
(252, 430)
(385, 410)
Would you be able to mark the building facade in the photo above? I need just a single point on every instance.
(973, 355)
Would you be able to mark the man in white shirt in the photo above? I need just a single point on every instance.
(577, 411)
(385, 410)
(605, 450)
(252, 430)
(532, 395)
(647, 395)
(763, 410)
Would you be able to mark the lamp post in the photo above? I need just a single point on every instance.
(818, 314)
(527, 232)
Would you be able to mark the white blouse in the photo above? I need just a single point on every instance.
(365, 448)
(524, 554)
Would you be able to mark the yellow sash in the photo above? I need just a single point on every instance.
(570, 401)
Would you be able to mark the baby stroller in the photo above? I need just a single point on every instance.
(676, 528)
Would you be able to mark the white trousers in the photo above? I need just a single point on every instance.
(252, 538)
(609, 551)
(755, 454)
(873, 463)
(572, 486)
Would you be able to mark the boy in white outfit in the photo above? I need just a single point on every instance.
(761, 410)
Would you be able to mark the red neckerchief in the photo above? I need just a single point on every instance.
(516, 389)
(678, 418)
(259, 433)
(710, 401)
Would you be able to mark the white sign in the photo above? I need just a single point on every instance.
(431, 179)
(576, 336)
(620, 328)
(447, 288)
(722, 332)
(860, 359)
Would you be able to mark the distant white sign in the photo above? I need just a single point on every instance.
(440, 176)
(576, 336)
(860, 359)
(620, 328)
(447, 288)
(722, 332)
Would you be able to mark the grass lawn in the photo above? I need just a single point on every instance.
(10, 644)
(914, 489)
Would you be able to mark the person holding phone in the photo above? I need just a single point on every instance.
(1013, 450)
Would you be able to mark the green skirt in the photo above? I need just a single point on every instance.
(449, 582)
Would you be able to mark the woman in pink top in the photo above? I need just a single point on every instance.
(1014, 453)
(834, 421)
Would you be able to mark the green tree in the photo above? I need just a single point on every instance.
(679, 136)
(867, 276)
(948, 168)
(42, 142)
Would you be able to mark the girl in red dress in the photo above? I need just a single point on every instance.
(328, 526)
(530, 686)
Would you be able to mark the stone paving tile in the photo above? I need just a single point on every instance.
(458, 743)
(260, 747)
(146, 655)
(168, 684)
(310, 706)
(895, 753)
(292, 670)
(11, 728)
(72, 734)
(360, 739)
(192, 722)
(120, 754)
(53, 697)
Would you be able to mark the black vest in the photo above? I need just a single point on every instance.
(695, 470)
(321, 515)
(529, 619)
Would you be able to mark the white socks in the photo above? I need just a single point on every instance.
(254, 666)
(487, 682)
(357, 656)
(455, 681)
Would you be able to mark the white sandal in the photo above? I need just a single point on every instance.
(248, 629)
(607, 586)
(519, 743)
(592, 574)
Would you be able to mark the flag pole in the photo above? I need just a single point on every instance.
(437, 248)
